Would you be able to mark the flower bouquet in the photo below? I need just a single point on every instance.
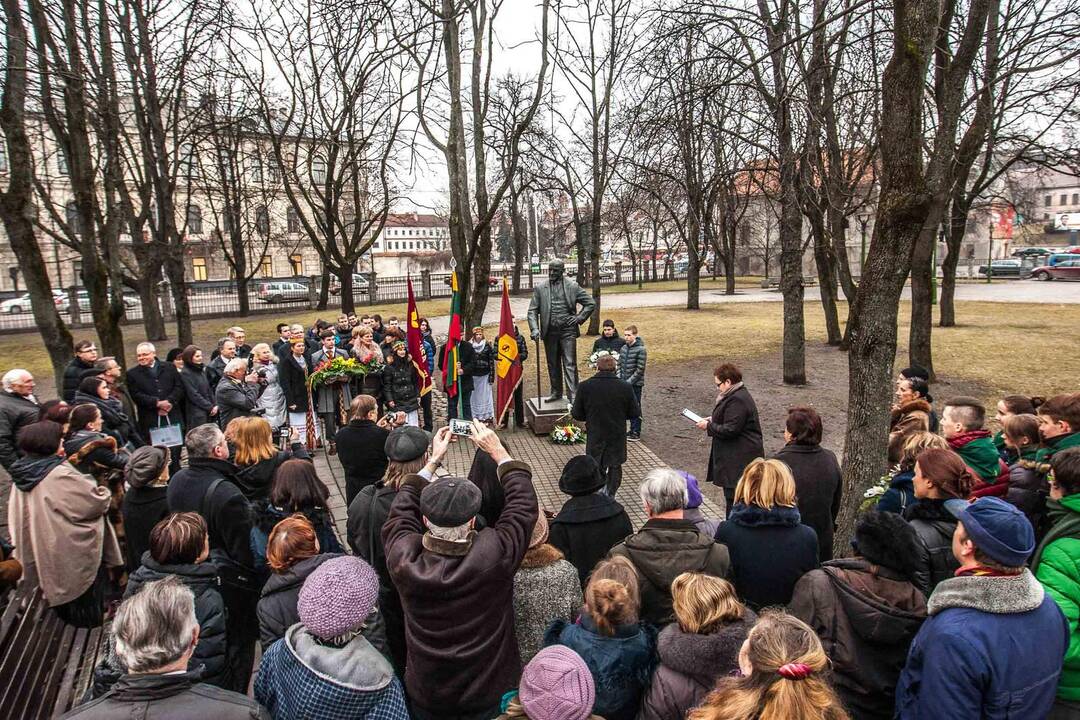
(337, 371)
(873, 493)
(568, 434)
(603, 353)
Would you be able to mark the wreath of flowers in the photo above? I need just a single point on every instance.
(340, 370)
(569, 434)
(603, 353)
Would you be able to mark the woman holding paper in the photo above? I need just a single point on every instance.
(735, 431)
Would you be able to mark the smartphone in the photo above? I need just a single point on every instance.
(460, 427)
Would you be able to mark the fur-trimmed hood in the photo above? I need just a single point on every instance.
(82, 443)
(991, 594)
(914, 406)
(704, 657)
(541, 556)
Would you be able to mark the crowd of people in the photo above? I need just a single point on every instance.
(230, 594)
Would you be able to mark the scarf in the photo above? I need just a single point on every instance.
(981, 571)
(720, 396)
(958, 441)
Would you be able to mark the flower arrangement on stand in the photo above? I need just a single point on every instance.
(603, 353)
(340, 370)
(568, 434)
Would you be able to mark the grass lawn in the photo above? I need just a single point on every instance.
(707, 283)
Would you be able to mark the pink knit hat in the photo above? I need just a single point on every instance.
(557, 685)
(338, 597)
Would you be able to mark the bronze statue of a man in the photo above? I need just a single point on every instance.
(554, 316)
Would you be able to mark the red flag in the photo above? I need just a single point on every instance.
(415, 344)
(507, 365)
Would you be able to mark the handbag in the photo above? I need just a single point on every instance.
(169, 435)
(233, 576)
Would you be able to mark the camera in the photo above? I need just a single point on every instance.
(461, 427)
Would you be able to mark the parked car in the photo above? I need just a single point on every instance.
(1004, 268)
(1031, 251)
(21, 304)
(281, 291)
(63, 304)
(492, 281)
(1063, 270)
(359, 285)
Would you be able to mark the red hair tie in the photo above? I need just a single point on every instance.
(795, 671)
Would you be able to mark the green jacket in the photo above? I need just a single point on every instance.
(1056, 565)
(1053, 445)
(982, 457)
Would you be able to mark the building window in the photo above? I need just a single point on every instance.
(1047, 201)
(255, 169)
(273, 170)
(297, 263)
(225, 164)
(318, 171)
(198, 268)
(266, 266)
(1046, 216)
(262, 221)
(1076, 199)
(71, 214)
(1064, 199)
(292, 220)
(3, 155)
(194, 220)
(61, 162)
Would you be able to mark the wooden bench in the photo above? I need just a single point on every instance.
(45, 664)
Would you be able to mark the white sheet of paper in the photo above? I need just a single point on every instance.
(691, 415)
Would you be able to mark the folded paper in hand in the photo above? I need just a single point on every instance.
(691, 415)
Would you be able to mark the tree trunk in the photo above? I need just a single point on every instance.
(243, 282)
(324, 289)
(153, 321)
(791, 286)
(826, 272)
(594, 255)
(920, 352)
(954, 240)
(902, 206)
(348, 299)
(693, 268)
(174, 271)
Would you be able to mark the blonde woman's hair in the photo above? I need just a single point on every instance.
(775, 641)
(766, 483)
(398, 471)
(259, 347)
(703, 603)
(916, 442)
(252, 440)
(612, 597)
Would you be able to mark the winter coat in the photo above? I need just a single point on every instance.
(148, 385)
(1056, 565)
(546, 587)
(272, 398)
(606, 403)
(74, 372)
(168, 697)
(114, 421)
(300, 677)
(1028, 490)
(235, 399)
(198, 395)
(367, 514)
(613, 344)
(480, 363)
(866, 618)
(586, 528)
(255, 480)
(227, 514)
(770, 550)
(399, 385)
(900, 494)
(362, 451)
(705, 525)
(277, 607)
(142, 509)
(632, 360)
(269, 516)
(663, 549)
(621, 664)
(992, 648)
(326, 396)
(215, 369)
(15, 412)
(465, 353)
(56, 517)
(819, 485)
(736, 437)
(934, 525)
(95, 454)
(690, 664)
(293, 381)
(458, 598)
(202, 580)
(909, 418)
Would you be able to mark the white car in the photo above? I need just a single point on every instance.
(21, 304)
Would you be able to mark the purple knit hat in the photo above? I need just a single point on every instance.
(557, 685)
(338, 597)
(693, 492)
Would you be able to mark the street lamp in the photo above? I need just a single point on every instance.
(864, 220)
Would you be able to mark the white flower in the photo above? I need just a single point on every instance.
(874, 491)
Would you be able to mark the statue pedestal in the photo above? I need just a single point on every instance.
(542, 414)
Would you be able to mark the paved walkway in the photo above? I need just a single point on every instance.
(1010, 291)
(546, 459)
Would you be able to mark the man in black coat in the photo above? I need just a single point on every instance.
(157, 391)
(606, 403)
(208, 486)
(85, 357)
(362, 446)
(18, 407)
(735, 431)
(590, 523)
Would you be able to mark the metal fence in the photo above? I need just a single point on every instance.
(212, 299)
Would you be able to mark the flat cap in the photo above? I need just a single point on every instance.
(406, 443)
(450, 502)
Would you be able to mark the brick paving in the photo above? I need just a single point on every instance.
(546, 459)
